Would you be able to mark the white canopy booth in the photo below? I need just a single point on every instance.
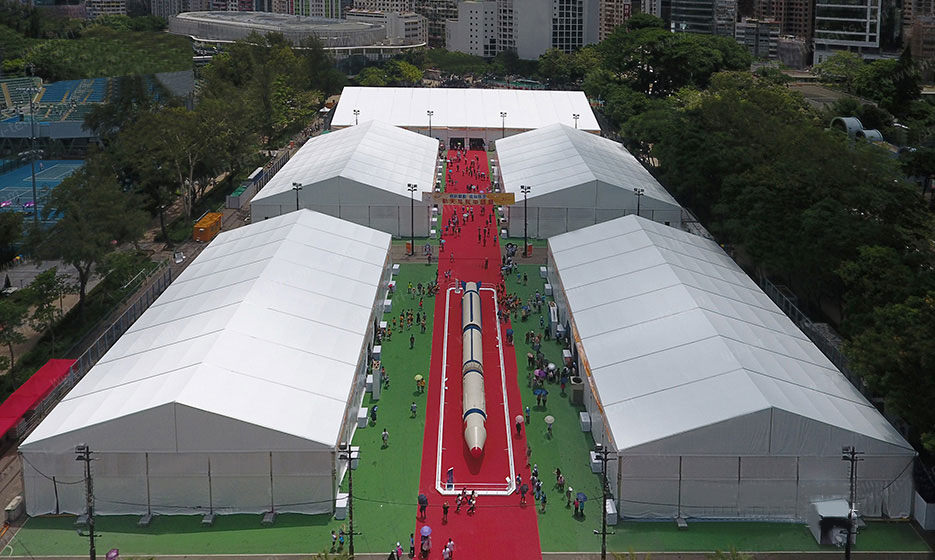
(576, 180)
(465, 115)
(361, 175)
(716, 404)
(234, 390)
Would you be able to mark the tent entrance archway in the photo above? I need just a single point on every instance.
(477, 143)
(456, 143)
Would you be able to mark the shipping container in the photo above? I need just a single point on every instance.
(207, 227)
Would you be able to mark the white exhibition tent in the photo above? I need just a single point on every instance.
(576, 179)
(460, 114)
(716, 404)
(360, 174)
(232, 392)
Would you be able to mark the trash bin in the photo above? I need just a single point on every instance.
(577, 391)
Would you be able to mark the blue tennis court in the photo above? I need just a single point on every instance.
(16, 185)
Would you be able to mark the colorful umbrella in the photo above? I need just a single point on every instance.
(540, 373)
(539, 391)
(581, 497)
(423, 500)
(418, 377)
(425, 531)
(519, 418)
(549, 420)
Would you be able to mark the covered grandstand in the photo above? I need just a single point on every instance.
(234, 390)
(576, 179)
(463, 116)
(715, 404)
(360, 174)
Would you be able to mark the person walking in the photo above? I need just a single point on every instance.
(519, 427)
(386, 438)
(412, 545)
(577, 506)
(543, 501)
(422, 507)
(522, 495)
(445, 507)
(412, 409)
(373, 413)
(412, 341)
(334, 540)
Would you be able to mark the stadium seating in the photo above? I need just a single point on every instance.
(13, 91)
(59, 92)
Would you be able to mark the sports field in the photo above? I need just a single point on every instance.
(16, 193)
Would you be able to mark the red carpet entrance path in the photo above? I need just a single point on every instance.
(500, 527)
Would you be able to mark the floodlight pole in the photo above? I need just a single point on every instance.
(602, 452)
(83, 453)
(639, 194)
(412, 187)
(851, 455)
(575, 116)
(525, 190)
(33, 90)
(296, 187)
(430, 113)
(502, 125)
(356, 114)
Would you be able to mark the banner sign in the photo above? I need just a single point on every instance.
(469, 199)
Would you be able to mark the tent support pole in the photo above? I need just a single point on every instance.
(679, 506)
(272, 499)
(210, 490)
(149, 501)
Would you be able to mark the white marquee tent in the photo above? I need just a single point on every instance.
(716, 404)
(460, 114)
(577, 179)
(360, 174)
(233, 391)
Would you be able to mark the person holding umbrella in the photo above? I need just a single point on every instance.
(549, 420)
(581, 499)
(522, 493)
(519, 425)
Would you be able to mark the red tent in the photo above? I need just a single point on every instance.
(31, 393)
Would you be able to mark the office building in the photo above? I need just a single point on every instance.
(437, 12)
(612, 14)
(409, 26)
(760, 36)
(96, 8)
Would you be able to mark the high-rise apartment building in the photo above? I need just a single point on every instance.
(475, 30)
(795, 17)
(318, 8)
(96, 8)
(612, 14)
(437, 12)
(397, 6)
(505, 25)
(760, 36)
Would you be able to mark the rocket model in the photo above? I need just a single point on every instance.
(472, 372)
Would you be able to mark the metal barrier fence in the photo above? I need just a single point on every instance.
(827, 347)
(158, 280)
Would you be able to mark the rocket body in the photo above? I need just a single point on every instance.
(473, 402)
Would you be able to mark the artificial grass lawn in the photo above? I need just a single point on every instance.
(386, 482)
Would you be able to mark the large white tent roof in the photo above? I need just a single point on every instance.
(263, 330)
(464, 107)
(678, 338)
(558, 157)
(374, 153)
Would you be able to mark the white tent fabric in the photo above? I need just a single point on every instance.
(243, 377)
(359, 174)
(577, 179)
(464, 112)
(718, 405)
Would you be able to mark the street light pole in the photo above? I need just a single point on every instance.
(639, 194)
(83, 453)
(430, 113)
(356, 114)
(502, 125)
(575, 116)
(603, 452)
(349, 456)
(412, 187)
(525, 190)
(296, 187)
(851, 455)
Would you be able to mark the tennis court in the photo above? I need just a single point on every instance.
(16, 185)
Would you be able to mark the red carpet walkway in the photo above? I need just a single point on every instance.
(500, 527)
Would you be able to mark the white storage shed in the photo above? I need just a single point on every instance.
(233, 391)
(716, 404)
(576, 180)
(361, 175)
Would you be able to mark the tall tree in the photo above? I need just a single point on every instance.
(95, 216)
(44, 293)
(13, 313)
